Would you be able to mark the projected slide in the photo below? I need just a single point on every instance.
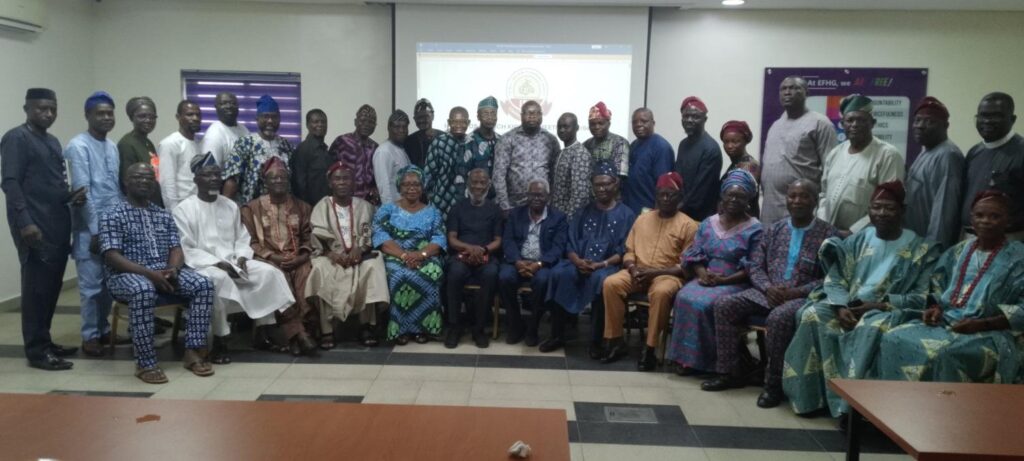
(561, 77)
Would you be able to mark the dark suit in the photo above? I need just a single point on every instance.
(35, 187)
(553, 236)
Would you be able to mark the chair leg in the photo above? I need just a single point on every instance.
(113, 323)
(762, 349)
(177, 325)
(497, 312)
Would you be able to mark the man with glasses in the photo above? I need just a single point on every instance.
(998, 161)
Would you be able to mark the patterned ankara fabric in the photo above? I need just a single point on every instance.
(358, 155)
(246, 159)
(571, 187)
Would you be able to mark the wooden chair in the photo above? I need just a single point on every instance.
(162, 303)
(474, 289)
(637, 308)
(758, 324)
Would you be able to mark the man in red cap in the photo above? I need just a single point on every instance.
(651, 265)
(279, 228)
(998, 161)
(603, 145)
(796, 148)
(934, 182)
(699, 162)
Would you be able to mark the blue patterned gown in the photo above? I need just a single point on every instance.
(415, 293)
(724, 252)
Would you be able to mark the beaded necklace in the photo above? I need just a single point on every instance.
(959, 301)
(351, 225)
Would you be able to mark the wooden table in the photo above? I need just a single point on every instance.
(92, 428)
(938, 421)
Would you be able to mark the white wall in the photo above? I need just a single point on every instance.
(342, 51)
(59, 58)
(721, 55)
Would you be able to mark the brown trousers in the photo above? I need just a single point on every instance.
(660, 293)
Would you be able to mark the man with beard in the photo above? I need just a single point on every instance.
(220, 137)
(242, 168)
(484, 137)
(699, 162)
(176, 152)
(525, 154)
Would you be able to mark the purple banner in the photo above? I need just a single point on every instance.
(895, 93)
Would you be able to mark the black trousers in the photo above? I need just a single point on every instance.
(42, 276)
(459, 275)
(509, 282)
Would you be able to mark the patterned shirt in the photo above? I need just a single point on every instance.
(245, 160)
(770, 260)
(483, 155)
(447, 171)
(571, 188)
(358, 155)
(145, 236)
(518, 159)
(613, 148)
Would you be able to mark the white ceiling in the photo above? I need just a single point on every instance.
(947, 5)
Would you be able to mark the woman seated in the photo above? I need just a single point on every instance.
(973, 332)
(411, 236)
(716, 265)
(875, 273)
(347, 278)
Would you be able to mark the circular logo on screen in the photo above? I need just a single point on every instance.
(525, 85)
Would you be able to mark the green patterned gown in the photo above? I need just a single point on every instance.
(415, 293)
(914, 351)
(861, 267)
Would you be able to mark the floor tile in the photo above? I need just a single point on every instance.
(330, 371)
(725, 454)
(307, 386)
(239, 389)
(618, 378)
(502, 391)
(311, 398)
(250, 370)
(426, 373)
(392, 391)
(519, 376)
(522, 361)
(443, 393)
(35, 380)
(756, 438)
(569, 407)
(649, 395)
(609, 394)
(189, 387)
(400, 357)
(611, 452)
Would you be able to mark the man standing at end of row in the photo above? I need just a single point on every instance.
(796, 147)
(997, 162)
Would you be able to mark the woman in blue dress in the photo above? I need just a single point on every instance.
(716, 265)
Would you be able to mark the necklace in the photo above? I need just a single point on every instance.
(959, 301)
(290, 246)
(351, 226)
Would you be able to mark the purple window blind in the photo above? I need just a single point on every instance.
(286, 88)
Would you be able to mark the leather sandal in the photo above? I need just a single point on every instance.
(193, 361)
(151, 375)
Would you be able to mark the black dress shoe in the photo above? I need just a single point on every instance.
(452, 340)
(648, 359)
(513, 336)
(721, 383)
(770, 399)
(596, 351)
(63, 351)
(552, 345)
(614, 351)
(481, 339)
(118, 340)
(50, 362)
(531, 340)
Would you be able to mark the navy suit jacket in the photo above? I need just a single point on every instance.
(554, 232)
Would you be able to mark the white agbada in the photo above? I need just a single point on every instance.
(212, 233)
(176, 178)
(220, 139)
(850, 179)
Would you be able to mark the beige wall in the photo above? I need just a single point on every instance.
(136, 47)
(721, 57)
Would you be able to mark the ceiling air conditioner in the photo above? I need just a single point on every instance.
(22, 15)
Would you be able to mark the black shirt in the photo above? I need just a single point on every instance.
(416, 146)
(309, 170)
(35, 186)
(475, 225)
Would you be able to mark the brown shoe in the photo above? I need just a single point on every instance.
(93, 348)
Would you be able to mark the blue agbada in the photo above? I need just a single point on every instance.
(595, 235)
(649, 158)
(914, 351)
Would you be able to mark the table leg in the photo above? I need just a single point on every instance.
(853, 429)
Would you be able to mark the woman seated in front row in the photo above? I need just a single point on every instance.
(411, 236)
(973, 332)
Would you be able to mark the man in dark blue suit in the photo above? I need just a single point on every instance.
(534, 241)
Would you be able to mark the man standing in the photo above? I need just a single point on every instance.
(484, 136)
(795, 148)
(310, 162)
(524, 154)
(417, 143)
(35, 185)
(94, 164)
(143, 254)
(998, 161)
(699, 162)
(854, 168)
(447, 159)
(935, 180)
(571, 189)
(220, 137)
(242, 167)
(651, 265)
(176, 152)
(603, 145)
(650, 156)
(390, 157)
(355, 149)
(217, 245)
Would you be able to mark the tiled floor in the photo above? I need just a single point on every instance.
(675, 419)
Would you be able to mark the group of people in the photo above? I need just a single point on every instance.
(834, 244)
